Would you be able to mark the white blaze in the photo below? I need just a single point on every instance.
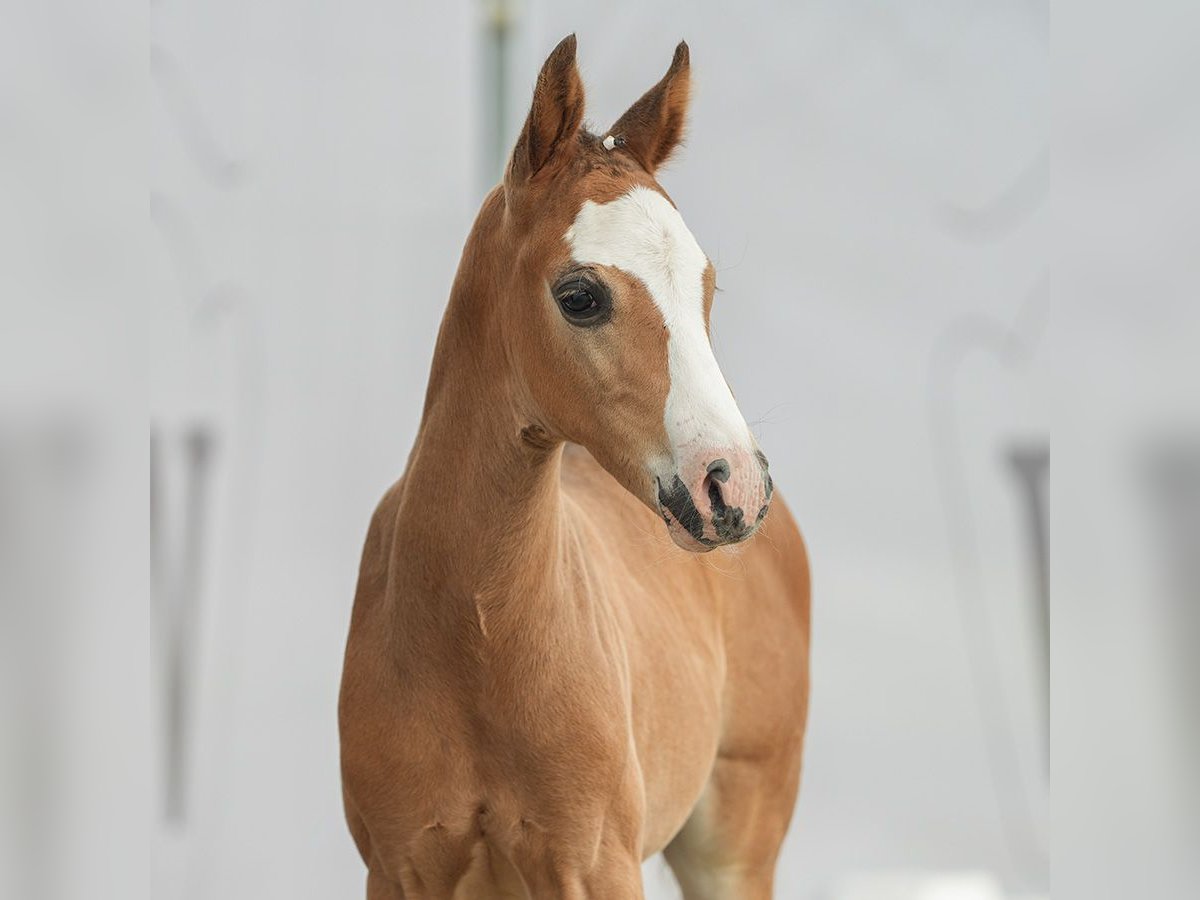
(642, 234)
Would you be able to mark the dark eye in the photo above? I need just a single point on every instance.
(578, 302)
(584, 300)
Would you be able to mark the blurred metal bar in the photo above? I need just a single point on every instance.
(177, 596)
(500, 16)
(1172, 483)
(196, 133)
(1008, 210)
(1013, 346)
(1030, 463)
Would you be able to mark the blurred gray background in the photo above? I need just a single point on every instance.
(870, 180)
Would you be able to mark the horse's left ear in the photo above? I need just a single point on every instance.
(653, 127)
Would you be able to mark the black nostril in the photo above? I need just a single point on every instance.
(714, 497)
(728, 521)
(719, 470)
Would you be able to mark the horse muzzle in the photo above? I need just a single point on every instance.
(716, 497)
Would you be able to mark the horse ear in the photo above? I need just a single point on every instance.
(554, 118)
(653, 127)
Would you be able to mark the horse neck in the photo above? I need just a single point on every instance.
(481, 511)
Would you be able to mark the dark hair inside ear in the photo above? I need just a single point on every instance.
(653, 127)
(555, 115)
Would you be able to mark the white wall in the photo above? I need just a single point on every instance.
(864, 176)
(309, 230)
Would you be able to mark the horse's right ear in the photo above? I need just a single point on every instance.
(555, 117)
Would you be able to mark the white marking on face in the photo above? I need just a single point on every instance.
(642, 234)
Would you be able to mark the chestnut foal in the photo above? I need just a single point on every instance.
(540, 691)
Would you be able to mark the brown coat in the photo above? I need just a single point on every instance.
(540, 688)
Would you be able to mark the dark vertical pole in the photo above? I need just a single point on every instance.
(178, 597)
(497, 46)
(1030, 463)
(1172, 480)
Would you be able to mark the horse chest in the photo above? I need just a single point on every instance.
(476, 779)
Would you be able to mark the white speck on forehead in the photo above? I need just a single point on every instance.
(609, 142)
(642, 234)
